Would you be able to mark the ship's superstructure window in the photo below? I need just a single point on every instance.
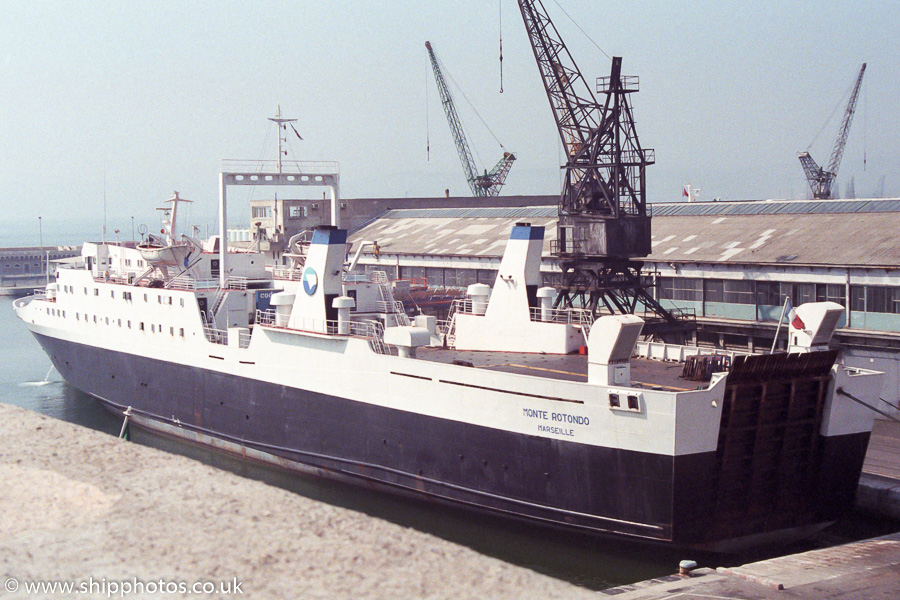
(181, 331)
(112, 293)
(614, 400)
(142, 326)
(152, 328)
(129, 324)
(171, 331)
(85, 291)
(261, 212)
(96, 291)
(182, 302)
(95, 319)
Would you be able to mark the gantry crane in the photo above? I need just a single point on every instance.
(603, 225)
(821, 180)
(489, 183)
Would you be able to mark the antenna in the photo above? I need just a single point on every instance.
(281, 127)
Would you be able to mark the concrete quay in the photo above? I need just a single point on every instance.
(79, 506)
(865, 570)
(879, 486)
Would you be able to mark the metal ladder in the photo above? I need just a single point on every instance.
(387, 297)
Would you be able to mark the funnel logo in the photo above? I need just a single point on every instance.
(310, 281)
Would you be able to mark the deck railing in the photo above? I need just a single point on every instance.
(372, 331)
(571, 316)
(289, 273)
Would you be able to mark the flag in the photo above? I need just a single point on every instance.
(686, 191)
(795, 321)
(295, 131)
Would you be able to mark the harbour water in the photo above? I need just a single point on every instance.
(27, 380)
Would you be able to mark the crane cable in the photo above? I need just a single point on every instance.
(469, 102)
(865, 121)
(840, 103)
(427, 127)
(582, 30)
(500, 6)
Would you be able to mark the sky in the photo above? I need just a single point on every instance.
(129, 101)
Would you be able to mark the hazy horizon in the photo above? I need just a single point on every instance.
(130, 101)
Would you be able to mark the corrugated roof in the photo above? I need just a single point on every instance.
(762, 207)
(527, 212)
(830, 233)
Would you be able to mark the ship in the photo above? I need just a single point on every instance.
(509, 406)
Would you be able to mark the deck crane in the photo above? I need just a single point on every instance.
(821, 180)
(604, 225)
(489, 183)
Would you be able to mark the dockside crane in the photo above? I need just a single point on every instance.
(821, 180)
(604, 225)
(489, 183)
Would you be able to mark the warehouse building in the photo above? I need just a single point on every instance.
(730, 264)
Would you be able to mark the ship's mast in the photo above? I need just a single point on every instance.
(170, 220)
(280, 121)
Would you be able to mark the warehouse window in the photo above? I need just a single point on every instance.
(714, 290)
(681, 288)
(435, 276)
(738, 291)
(858, 297)
(804, 292)
(882, 299)
(412, 272)
(487, 276)
(831, 292)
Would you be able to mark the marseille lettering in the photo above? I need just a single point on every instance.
(557, 419)
(556, 430)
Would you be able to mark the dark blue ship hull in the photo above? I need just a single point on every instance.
(685, 500)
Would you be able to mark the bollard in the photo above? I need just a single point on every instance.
(686, 566)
